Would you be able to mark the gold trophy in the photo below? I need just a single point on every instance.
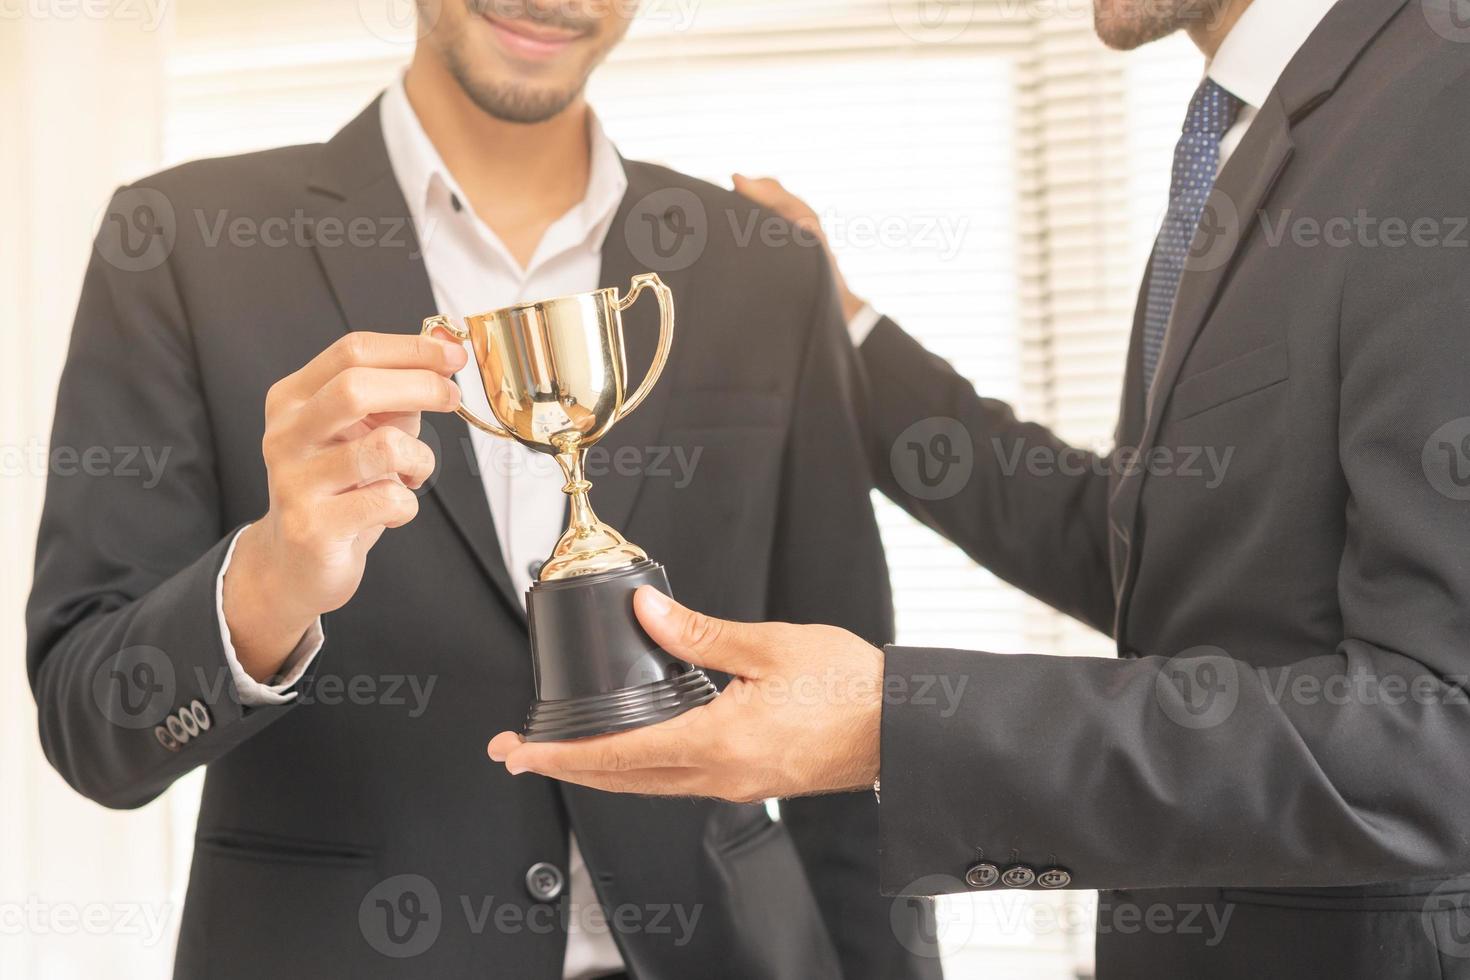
(555, 374)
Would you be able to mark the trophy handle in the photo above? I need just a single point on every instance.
(649, 280)
(441, 322)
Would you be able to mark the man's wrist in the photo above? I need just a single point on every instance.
(264, 627)
(861, 323)
(872, 738)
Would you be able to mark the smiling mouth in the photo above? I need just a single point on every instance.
(530, 40)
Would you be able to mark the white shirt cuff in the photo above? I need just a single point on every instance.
(862, 324)
(254, 694)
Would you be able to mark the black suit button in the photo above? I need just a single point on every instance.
(201, 715)
(186, 718)
(165, 739)
(1054, 878)
(534, 569)
(1018, 876)
(982, 875)
(176, 729)
(545, 881)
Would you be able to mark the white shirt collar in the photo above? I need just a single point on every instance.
(428, 186)
(1262, 43)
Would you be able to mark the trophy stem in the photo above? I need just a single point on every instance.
(572, 465)
(588, 546)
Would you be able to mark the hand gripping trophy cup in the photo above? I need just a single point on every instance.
(555, 374)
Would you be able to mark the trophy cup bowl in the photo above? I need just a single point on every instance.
(555, 375)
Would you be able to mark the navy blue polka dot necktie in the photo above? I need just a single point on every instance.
(1212, 112)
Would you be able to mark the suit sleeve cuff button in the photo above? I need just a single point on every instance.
(982, 875)
(1054, 878)
(1018, 876)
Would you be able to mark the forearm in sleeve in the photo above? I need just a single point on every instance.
(1013, 496)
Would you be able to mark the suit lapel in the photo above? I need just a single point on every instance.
(1130, 411)
(614, 494)
(1228, 221)
(381, 284)
(1242, 189)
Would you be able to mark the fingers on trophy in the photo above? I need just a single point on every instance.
(555, 375)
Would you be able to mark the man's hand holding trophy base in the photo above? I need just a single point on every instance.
(801, 715)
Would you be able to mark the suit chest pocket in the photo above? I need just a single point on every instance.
(1224, 383)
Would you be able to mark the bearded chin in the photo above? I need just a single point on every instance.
(518, 103)
(1127, 24)
(512, 102)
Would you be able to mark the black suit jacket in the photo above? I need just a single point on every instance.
(1286, 728)
(361, 831)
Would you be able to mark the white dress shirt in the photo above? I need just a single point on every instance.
(1248, 63)
(471, 271)
(1253, 56)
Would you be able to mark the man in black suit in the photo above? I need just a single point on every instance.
(1268, 781)
(256, 318)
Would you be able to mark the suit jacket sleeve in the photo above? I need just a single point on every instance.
(1028, 498)
(829, 568)
(121, 620)
(1342, 768)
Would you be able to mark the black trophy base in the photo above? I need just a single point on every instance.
(597, 672)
